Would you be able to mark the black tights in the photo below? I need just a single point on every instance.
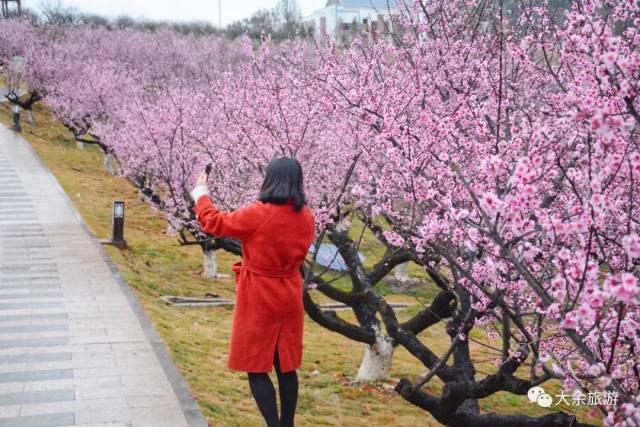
(265, 395)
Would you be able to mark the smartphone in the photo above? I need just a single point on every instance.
(207, 170)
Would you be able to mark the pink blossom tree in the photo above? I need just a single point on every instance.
(494, 144)
(503, 158)
(18, 41)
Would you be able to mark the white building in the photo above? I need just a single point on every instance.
(340, 17)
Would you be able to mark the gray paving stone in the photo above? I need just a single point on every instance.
(18, 280)
(6, 271)
(21, 305)
(9, 411)
(31, 286)
(34, 342)
(114, 424)
(28, 272)
(30, 278)
(14, 208)
(37, 397)
(33, 328)
(47, 420)
(26, 266)
(53, 374)
(35, 357)
(147, 417)
(106, 392)
(43, 316)
(5, 204)
(5, 296)
(75, 383)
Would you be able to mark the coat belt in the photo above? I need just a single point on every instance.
(264, 270)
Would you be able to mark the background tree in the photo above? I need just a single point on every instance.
(288, 19)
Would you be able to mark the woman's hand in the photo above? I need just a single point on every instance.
(202, 179)
(201, 187)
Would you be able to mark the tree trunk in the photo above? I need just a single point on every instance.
(30, 117)
(108, 164)
(377, 360)
(210, 264)
(80, 145)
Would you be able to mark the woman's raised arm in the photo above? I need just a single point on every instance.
(239, 224)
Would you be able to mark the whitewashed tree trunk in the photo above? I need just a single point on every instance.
(377, 360)
(30, 117)
(401, 272)
(108, 164)
(80, 145)
(210, 264)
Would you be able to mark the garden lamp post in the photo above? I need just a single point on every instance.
(117, 235)
(16, 118)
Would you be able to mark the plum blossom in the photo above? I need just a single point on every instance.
(491, 204)
(631, 244)
(623, 287)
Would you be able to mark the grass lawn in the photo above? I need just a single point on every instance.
(155, 265)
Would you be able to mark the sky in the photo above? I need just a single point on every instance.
(178, 10)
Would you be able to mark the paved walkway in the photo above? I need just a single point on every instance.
(75, 346)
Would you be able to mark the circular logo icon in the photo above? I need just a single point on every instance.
(534, 393)
(545, 400)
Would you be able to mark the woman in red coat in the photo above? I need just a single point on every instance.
(276, 232)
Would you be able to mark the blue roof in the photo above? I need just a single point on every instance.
(328, 256)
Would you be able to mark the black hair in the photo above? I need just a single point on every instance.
(283, 183)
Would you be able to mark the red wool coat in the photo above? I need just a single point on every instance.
(269, 310)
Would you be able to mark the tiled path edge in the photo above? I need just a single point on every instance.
(190, 409)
